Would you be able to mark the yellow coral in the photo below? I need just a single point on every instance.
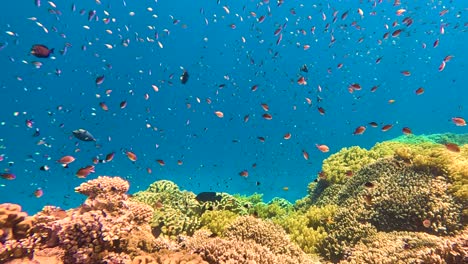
(217, 221)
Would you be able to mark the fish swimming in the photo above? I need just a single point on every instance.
(184, 77)
(41, 51)
(208, 197)
(83, 135)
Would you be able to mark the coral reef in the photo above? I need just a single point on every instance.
(14, 240)
(107, 227)
(403, 201)
(410, 247)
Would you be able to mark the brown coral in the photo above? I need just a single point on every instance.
(14, 225)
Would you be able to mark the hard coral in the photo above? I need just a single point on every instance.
(14, 225)
(108, 227)
(390, 195)
(410, 247)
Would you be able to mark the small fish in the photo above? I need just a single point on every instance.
(8, 176)
(373, 124)
(287, 136)
(41, 51)
(219, 114)
(38, 193)
(99, 80)
(244, 173)
(208, 197)
(304, 68)
(131, 156)
(419, 91)
(321, 110)
(369, 185)
(305, 155)
(322, 148)
(84, 172)
(386, 127)
(459, 121)
(44, 168)
(426, 223)
(161, 162)
(109, 157)
(452, 147)
(83, 135)
(267, 116)
(359, 130)
(302, 81)
(184, 77)
(406, 131)
(65, 160)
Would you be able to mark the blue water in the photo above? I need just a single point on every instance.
(214, 150)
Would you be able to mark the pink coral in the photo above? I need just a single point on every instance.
(107, 227)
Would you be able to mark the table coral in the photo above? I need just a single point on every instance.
(14, 227)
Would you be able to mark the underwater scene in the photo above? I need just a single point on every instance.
(223, 131)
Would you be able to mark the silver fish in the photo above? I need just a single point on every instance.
(83, 135)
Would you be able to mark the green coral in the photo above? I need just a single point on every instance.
(390, 195)
(306, 229)
(217, 221)
(176, 212)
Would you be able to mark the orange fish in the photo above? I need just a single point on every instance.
(386, 127)
(265, 107)
(459, 121)
(419, 91)
(8, 176)
(131, 156)
(373, 124)
(38, 193)
(66, 160)
(287, 136)
(246, 118)
(406, 73)
(84, 172)
(161, 162)
(267, 116)
(321, 110)
(396, 33)
(219, 114)
(406, 131)
(109, 157)
(323, 148)
(305, 155)
(254, 88)
(359, 130)
(123, 104)
(99, 80)
(302, 81)
(244, 173)
(452, 147)
(262, 139)
(103, 106)
(180, 162)
(442, 66)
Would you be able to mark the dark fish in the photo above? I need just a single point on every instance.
(41, 51)
(83, 135)
(304, 68)
(208, 197)
(184, 77)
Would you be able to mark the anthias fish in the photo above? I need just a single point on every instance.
(41, 51)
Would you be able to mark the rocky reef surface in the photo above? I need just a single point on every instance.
(402, 201)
